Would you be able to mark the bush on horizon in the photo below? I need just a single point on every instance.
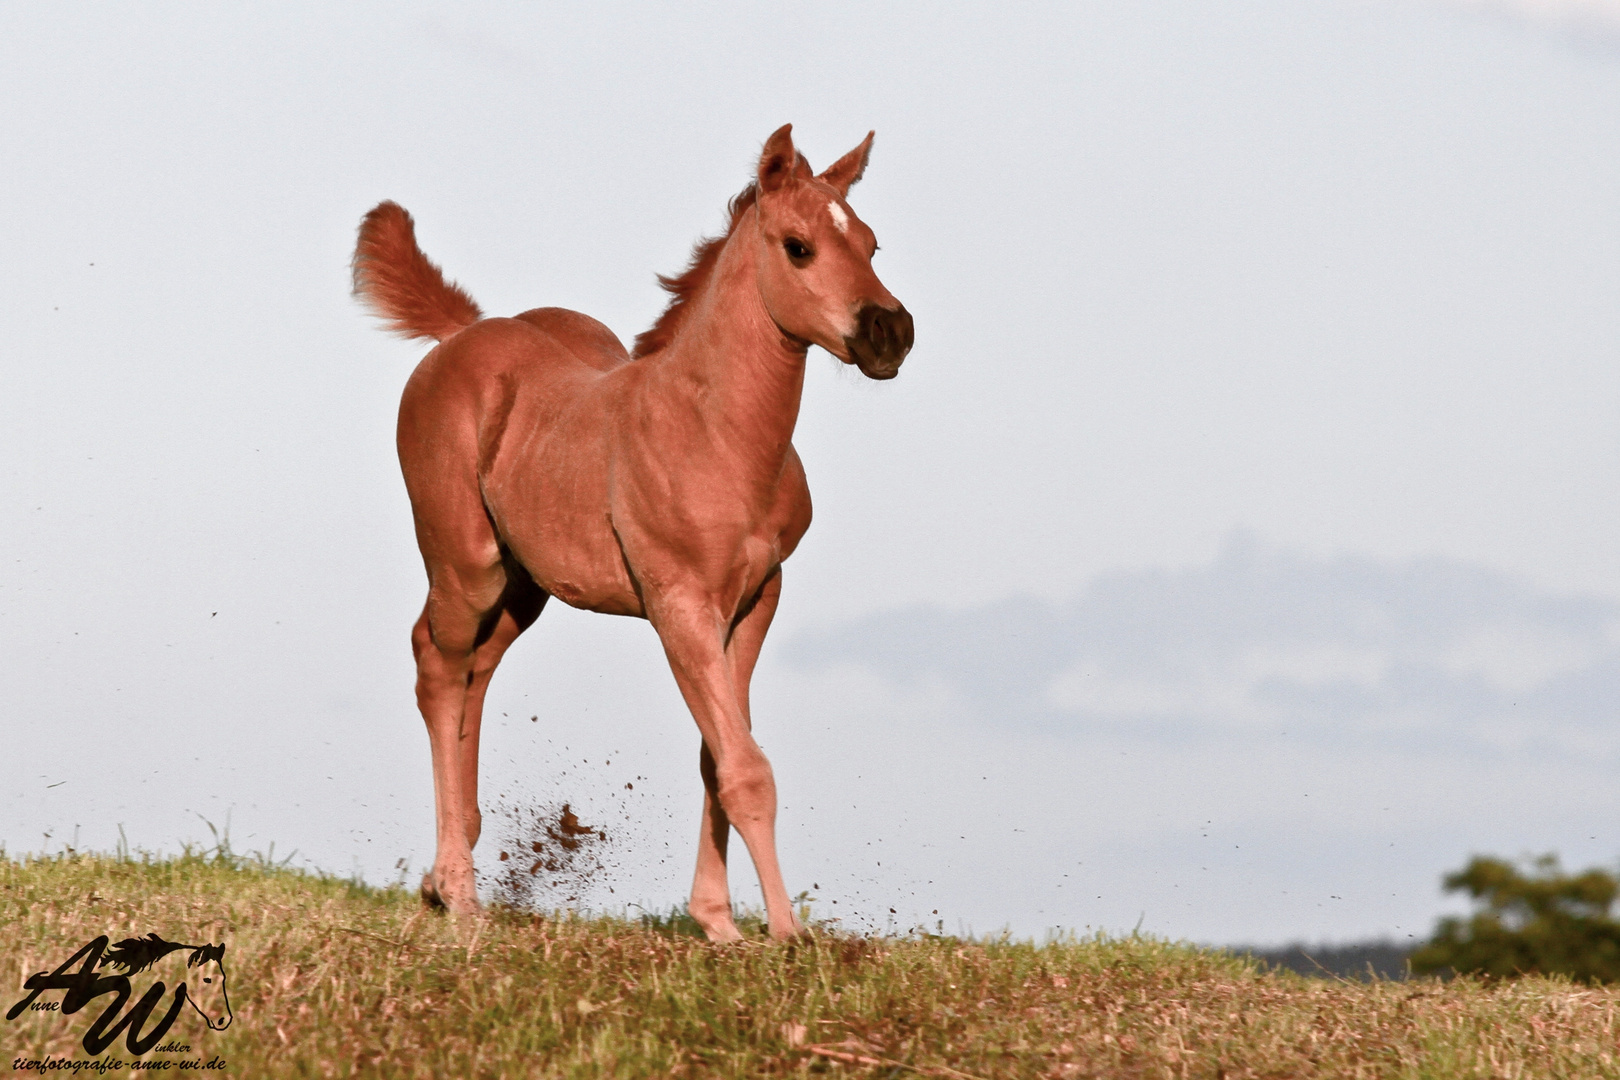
(1538, 921)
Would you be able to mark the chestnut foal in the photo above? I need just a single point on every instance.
(542, 460)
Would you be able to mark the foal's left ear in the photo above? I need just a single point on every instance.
(843, 173)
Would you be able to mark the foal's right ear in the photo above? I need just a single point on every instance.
(778, 161)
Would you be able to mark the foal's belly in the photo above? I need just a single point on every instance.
(591, 588)
(547, 491)
(577, 560)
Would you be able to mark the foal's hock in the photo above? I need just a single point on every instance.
(542, 460)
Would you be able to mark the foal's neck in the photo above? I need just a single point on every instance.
(748, 375)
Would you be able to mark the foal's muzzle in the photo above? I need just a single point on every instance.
(880, 342)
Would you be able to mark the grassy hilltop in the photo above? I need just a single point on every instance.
(332, 979)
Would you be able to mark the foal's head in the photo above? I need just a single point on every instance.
(815, 260)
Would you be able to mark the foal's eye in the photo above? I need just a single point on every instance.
(797, 250)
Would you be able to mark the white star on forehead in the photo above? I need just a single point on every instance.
(840, 218)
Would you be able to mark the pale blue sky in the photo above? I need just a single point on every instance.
(1330, 283)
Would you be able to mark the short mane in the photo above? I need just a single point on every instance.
(688, 284)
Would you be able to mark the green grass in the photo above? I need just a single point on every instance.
(329, 978)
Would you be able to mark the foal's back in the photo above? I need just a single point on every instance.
(503, 374)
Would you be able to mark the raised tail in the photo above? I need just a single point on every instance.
(397, 282)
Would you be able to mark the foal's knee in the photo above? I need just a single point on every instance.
(443, 653)
(421, 638)
(747, 787)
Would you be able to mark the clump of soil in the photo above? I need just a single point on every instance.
(547, 858)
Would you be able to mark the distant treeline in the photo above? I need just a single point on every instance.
(1529, 920)
(1360, 960)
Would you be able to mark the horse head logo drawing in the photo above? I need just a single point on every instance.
(204, 984)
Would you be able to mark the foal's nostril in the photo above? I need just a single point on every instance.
(891, 332)
(878, 334)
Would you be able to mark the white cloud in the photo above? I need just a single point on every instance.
(1231, 689)
(1431, 651)
(1519, 657)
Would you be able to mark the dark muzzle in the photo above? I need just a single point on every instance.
(881, 340)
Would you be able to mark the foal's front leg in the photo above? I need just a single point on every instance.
(740, 790)
(711, 894)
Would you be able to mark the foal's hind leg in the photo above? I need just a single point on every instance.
(520, 605)
(474, 611)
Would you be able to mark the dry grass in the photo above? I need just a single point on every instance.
(333, 979)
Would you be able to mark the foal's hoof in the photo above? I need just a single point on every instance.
(463, 902)
(723, 935)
